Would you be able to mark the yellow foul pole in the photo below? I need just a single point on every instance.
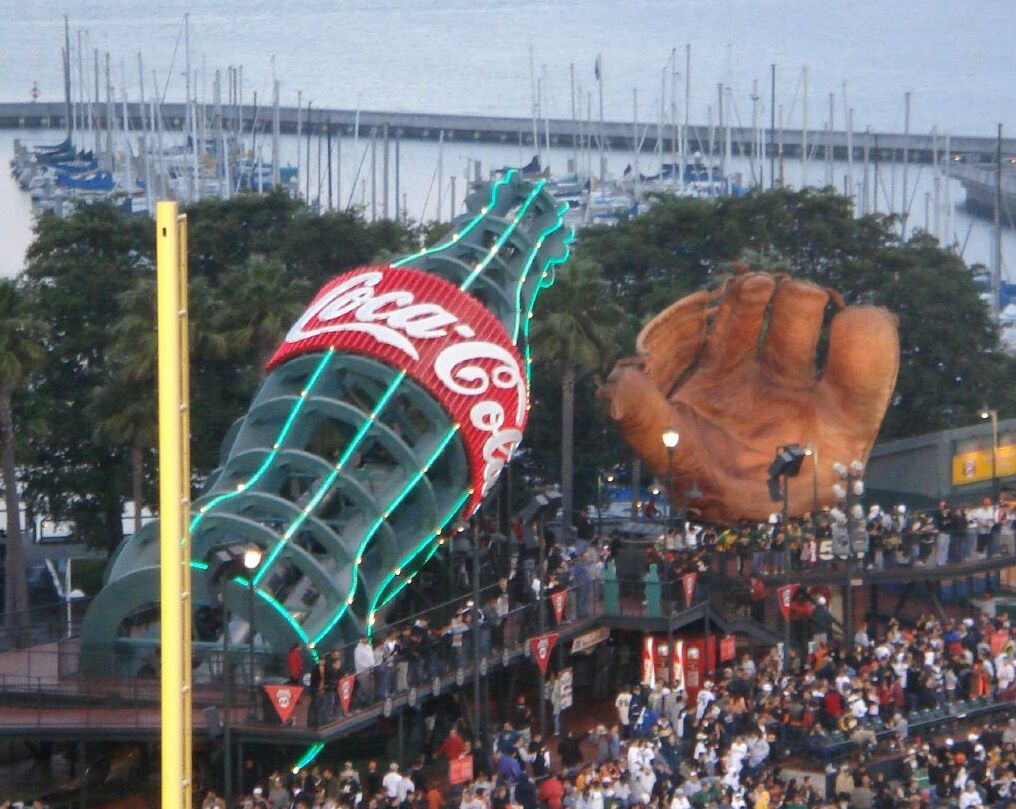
(174, 497)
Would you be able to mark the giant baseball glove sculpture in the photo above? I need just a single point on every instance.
(733, 371)
(389, 409)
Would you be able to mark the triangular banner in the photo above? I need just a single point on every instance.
(559, 599)
(284, 698)
(689, 580)
(346, 691)
(785, 595)
(541, 646)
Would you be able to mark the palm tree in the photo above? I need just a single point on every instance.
(576, 331)
(126, 414)
(20, 352)
(262, 299)
(124, 407)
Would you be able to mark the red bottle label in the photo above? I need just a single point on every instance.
(440, 336)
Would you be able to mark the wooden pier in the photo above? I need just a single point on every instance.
(563, 133)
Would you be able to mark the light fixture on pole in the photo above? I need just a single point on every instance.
(786, 465)
(670, 438)
(599, 499)
(848, 492)
(988, 413)
(251, 562)
(811, 451)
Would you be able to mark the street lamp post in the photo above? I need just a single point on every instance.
(599, 501)
(227, 708)
(849, 492)
(812, 452)
(251, 562)
(992, 414)
(670, 438)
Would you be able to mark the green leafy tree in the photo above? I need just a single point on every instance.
(76, 270)
(222, 234)
(20, 352)
(574, 331)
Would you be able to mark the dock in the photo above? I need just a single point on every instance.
(562, 133)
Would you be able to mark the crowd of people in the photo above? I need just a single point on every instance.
(731, 744)
(413, 654)
(877, 539)
(741, 740)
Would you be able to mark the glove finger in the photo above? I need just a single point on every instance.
(733, 338)
(795, 323)
(860, 374)
(672, 341)
(642, 413)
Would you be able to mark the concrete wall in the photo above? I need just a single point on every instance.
(918, 470)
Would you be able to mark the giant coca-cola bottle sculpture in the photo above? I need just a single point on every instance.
(388, 411)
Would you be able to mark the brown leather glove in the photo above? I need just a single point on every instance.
(733, 371)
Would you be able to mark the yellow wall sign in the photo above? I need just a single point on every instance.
(975, 467)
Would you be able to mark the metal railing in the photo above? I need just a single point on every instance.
(44, 624)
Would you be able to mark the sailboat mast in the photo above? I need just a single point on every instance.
(850, 151)
(719, 129)
(533, 111)
(299, 132)
(906, 165)
(948, 193)
(81, 85)
(306, 183)
(603, 138)
(95, 114)
(635, 141)
(996, 264)
(673, 116)
(866, 181)
(772, 127)
(829, 181)
(574, 137)
(440, 175)
(276, 174)
(110, 112)
(662, 120)
(687, 108)
(157, 122)
(936, 185)
(753, 154)
(68, 108)
(144, 145)
(128, 167)
(805, 157)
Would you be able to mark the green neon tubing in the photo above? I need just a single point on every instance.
(309, 756)
(403, 584)
(279, 608)
(270, 458)
(324, 488)
(557, 225)
(536, 292)
(491, 202)
(275, 605)
(496, 248)
(369, 535)
(408, 559)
